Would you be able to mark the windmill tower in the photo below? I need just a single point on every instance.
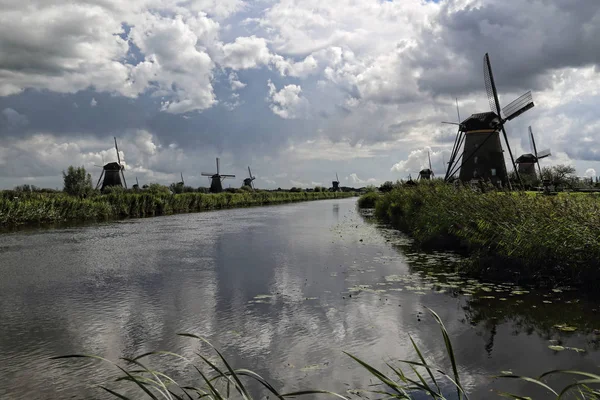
(216, 179)
(528, 161)
(482, 156)
(426, 173)
(248, 181)
(336, 184)
(113, 173)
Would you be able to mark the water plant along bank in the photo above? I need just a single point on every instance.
(517, 235)
(59, 207)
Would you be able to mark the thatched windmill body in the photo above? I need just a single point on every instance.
(336, 184)
(527, 162)
(113, 173)
(249, 181)
(482, 156)
(216, 179)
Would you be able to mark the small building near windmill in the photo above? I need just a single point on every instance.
(483, 157)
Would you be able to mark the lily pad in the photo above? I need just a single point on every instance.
(565, 328)
(556, 348)
(263, 296)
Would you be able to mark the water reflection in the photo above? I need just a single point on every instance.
(282, 290)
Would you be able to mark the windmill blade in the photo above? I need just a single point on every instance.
(544, 154)
(117, 148)
(451, 123)
(336, 177)
(532, 142)
(208, 173)
(99, 179)
(429, 157)
(250, 172)
(136, 181)
(518, 106)
(182, 182)
(218, 165)
(227, 176)
(490, 87)
(457, 110)
(124, 181)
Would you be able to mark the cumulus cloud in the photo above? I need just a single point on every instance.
(356, 180)
(288, 103)
(347, 80)
(418, 159)
(590, 173)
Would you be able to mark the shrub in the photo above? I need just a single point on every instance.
(368, 200)
(77, 182)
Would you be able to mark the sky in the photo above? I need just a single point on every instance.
(297, 89)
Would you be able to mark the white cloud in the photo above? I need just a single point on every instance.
(590, 173)
(356, 180)
(288, 102)
(246, 52)
(418, 160)
(235, 82)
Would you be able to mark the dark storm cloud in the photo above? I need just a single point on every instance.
(525, 40)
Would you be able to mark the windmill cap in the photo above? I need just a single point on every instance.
(481, 121)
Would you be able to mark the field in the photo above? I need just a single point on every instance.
(511, 235)
(36, 207)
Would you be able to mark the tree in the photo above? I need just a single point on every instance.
(559, 175)
(386, 187)
(77, 182)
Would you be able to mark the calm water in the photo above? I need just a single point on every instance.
(282, 290)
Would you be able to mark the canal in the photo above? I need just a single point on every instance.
(281, 290)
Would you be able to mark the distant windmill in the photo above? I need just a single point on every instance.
(426, 173)
(482, 156)
(527, 161)
(182, 183)
(113, 173)
(216, 179)
(137, 184)
(248, 181)
(336, 183)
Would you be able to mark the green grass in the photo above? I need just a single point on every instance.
(507, 234)
(219, 380)
(59, 207)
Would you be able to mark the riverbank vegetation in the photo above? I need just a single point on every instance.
(216, 379)
(517, 235)
(42, 207)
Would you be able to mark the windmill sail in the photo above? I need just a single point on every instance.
(518, 106)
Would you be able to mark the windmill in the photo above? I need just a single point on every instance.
(482, 156)
(248, 181)
(336, 184)
(113, 173)
(426, 173)
(137, 184)
(527, 161)
(216, 179)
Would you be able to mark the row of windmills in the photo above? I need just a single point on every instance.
(113, 175)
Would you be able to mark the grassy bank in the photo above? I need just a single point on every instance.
(217, 379)
(59, 207)
(538, 238)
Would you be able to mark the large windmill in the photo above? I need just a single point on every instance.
(113, 173)
(336, 184)
(216, 179)
(527, 161)
(482, 156)
(248, 181)
(426, 173)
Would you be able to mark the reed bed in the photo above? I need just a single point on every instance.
(528, 237)
(59, 207)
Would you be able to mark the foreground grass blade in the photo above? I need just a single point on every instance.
(531, 380)
(146, 390)
(424, 363)
(450, 352)
(305, 392)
